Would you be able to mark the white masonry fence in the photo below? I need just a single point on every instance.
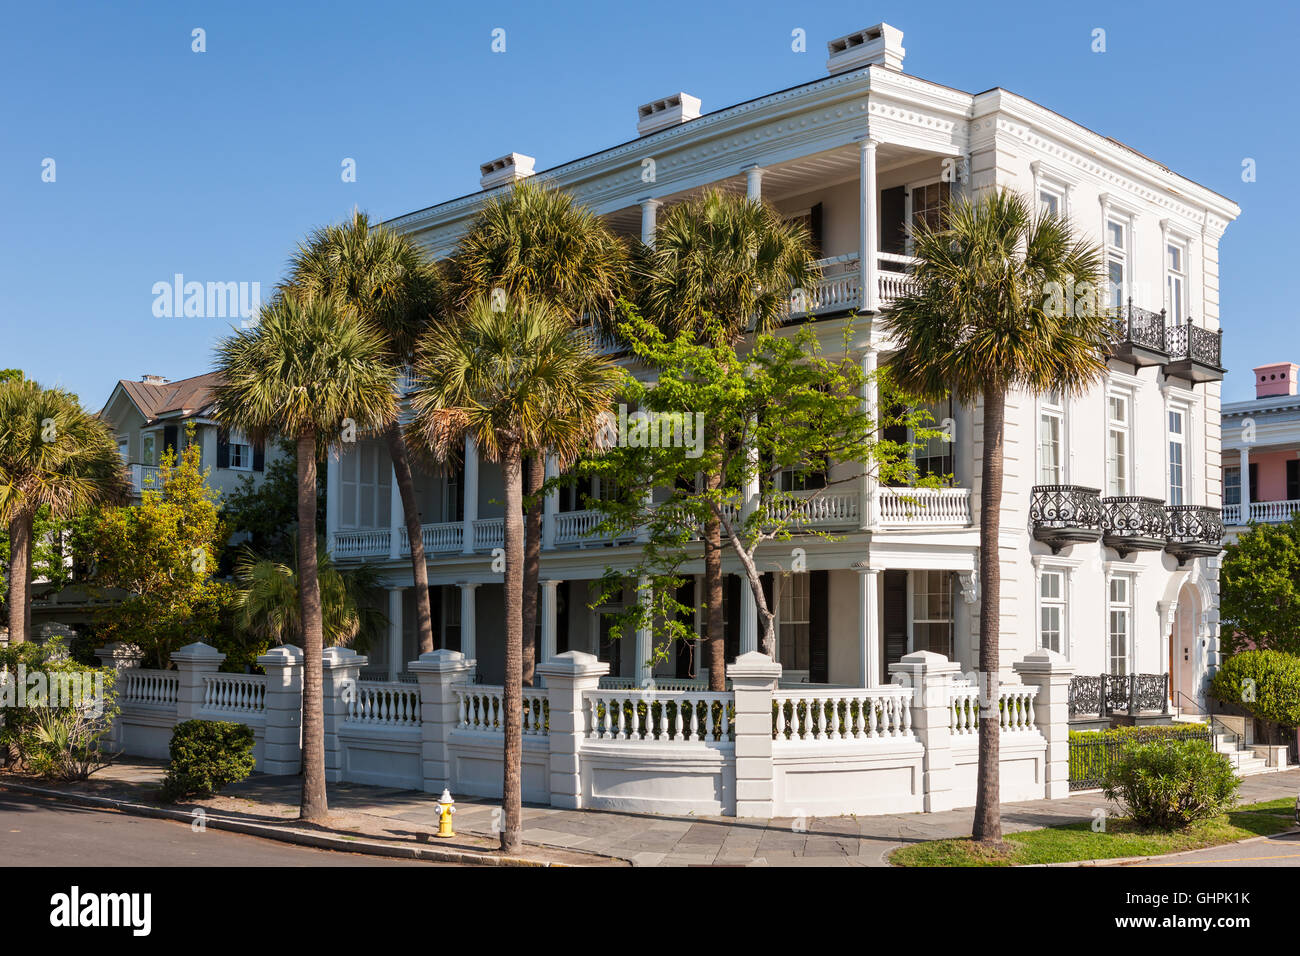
(590, 741)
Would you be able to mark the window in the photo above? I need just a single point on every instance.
(124, 449)
(1120, 606)
(1177, 459)
(1117, 442)
(1051, 432)
(450, 605)
(793, 642)
(934, 455)
(1049, 201)
(146, 454)
(1116, 261)
(1293, 480)
(1176, 281)
(928, 204)
(365, 483)
(1051, 611)
(932, 612)
(241, 455)
(1232, 486)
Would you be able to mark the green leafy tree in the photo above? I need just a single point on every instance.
(503, 376)
(53, 454)
(725, 264)
(538, 242)
(265, 511)
(985, 318)
(1259, 589)
(163, 554)
(385, 279)
(1265, 683)
(305, 372)
(791, 412)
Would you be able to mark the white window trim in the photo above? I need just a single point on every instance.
(1067, 452)
(238, 438)
(1067, 567)
(1130, 574)
(908, 208)
(1118, 388)
(1050, 179)
(1191, 475)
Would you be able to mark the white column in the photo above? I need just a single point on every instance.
(644, 636)
(1164, 252)
(748, 618)
(867, 486)
(867, 222)
(467, 643)
(396, 517)
(550, 507)
(1245, 486)
(1167, 611)
(548, 620)
(333, 492)
(753, 181)
(395, 656)
(649, 211)
(868, 624)
(471, 495)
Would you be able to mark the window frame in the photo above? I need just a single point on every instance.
(1057, 413)
(1125, 427)
(1120, 254)
(1176, 303)
(1125, 607)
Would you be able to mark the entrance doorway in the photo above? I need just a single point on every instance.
(1182, 646)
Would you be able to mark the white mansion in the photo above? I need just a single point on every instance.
(1110, 527)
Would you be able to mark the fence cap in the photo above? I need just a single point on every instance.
(333, 657)
(441, 661)
(753, 664)
(1044, 661)
(573, 664)
(282, 656)
(924, 662)
(198, 652)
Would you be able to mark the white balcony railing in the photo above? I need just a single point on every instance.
(489, 533)
(1262, 511)
(840, 285)
(145, 478)
(442, 538)
(924, 507)
(361, 544)
(818, 509)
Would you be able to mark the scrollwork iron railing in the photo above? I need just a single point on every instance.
(1117, 695)
(1132, 516)
(1085, 694)
(1151, 692)
(1195, 524)
(1105, 694)
(1141, 327)
(1192, 343)
(1065, 506)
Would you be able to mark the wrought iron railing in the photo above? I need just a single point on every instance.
(1065, 506)
(1133, 516)
(1193, 343)
(1141, 327)
(1195, 524)
(1106, 694)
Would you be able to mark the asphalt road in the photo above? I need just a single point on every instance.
(1283, 850)
(39, 831)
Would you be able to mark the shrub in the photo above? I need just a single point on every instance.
(1265, 683)
(207, 755)
(1170, 784)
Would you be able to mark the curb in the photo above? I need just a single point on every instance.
(1124, 860)
(297, 837)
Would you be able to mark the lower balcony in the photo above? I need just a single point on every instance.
(1141, 337)
(1063, 515)
(1133, 523)
(1236, 516)
(1105, 695)
(840, 287)
(1195, 531)
(1195, 354)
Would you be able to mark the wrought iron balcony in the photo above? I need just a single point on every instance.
(1140, 338)
(1063, 515)
(1133, 523)
(1194, 353)
(1105, 694)
(1194, 532)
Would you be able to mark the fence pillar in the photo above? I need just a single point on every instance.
(931, 676)
(340, 671)
(1050, 672)
(753, 679)
(438, 672)
(194, 662)
(117, 657)
(567, 676)
(282, 746)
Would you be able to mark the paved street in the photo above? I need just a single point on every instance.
(1283, 850)
(39, 831)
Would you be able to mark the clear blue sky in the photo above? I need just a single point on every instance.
(214, 164)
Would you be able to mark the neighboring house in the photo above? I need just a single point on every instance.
(1261, 451)
(1110, 524)
(147, 417)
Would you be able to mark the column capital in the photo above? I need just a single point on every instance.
(867, 142)
(468, 585)
(649, 201)
(551, 582)
(866, 567)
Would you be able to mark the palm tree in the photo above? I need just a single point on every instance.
(267, 603)
(52, 452)
(304, 372)
(538, 242)
(384, 278)
(982, 320)
(502, 376)
(730, 264)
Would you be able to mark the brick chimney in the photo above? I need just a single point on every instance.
(1276, 379)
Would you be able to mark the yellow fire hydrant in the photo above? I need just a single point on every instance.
(446, 807)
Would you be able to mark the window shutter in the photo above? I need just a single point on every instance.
(563, 597)
(819, 627)
(435, 615)
(1254, 481)
(731, 610)
(223, 449)
(259, 457)
(1293, 479)
(893, 220)
(895, 608)
(815, 227)
(169, 438)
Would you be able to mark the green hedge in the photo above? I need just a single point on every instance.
(1276, 685)
(1094, 752)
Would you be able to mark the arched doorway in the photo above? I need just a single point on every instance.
(1182, 647)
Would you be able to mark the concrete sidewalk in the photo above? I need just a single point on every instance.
(645, 839)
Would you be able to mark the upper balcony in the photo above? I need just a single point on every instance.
(1186, 350)
(144, 478)
(1062, 515)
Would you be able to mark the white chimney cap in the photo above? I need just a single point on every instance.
(670, 111)
(507, 169)
(881, 45)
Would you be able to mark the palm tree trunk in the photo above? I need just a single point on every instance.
(713, 595)
(988, 811)
(20, 547)
(532, 563)
(513, 691)
(414, 533)
(314, 805)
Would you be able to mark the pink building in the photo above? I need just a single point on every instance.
(1261, 450)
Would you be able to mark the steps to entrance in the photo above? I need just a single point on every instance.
(1243, 759)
